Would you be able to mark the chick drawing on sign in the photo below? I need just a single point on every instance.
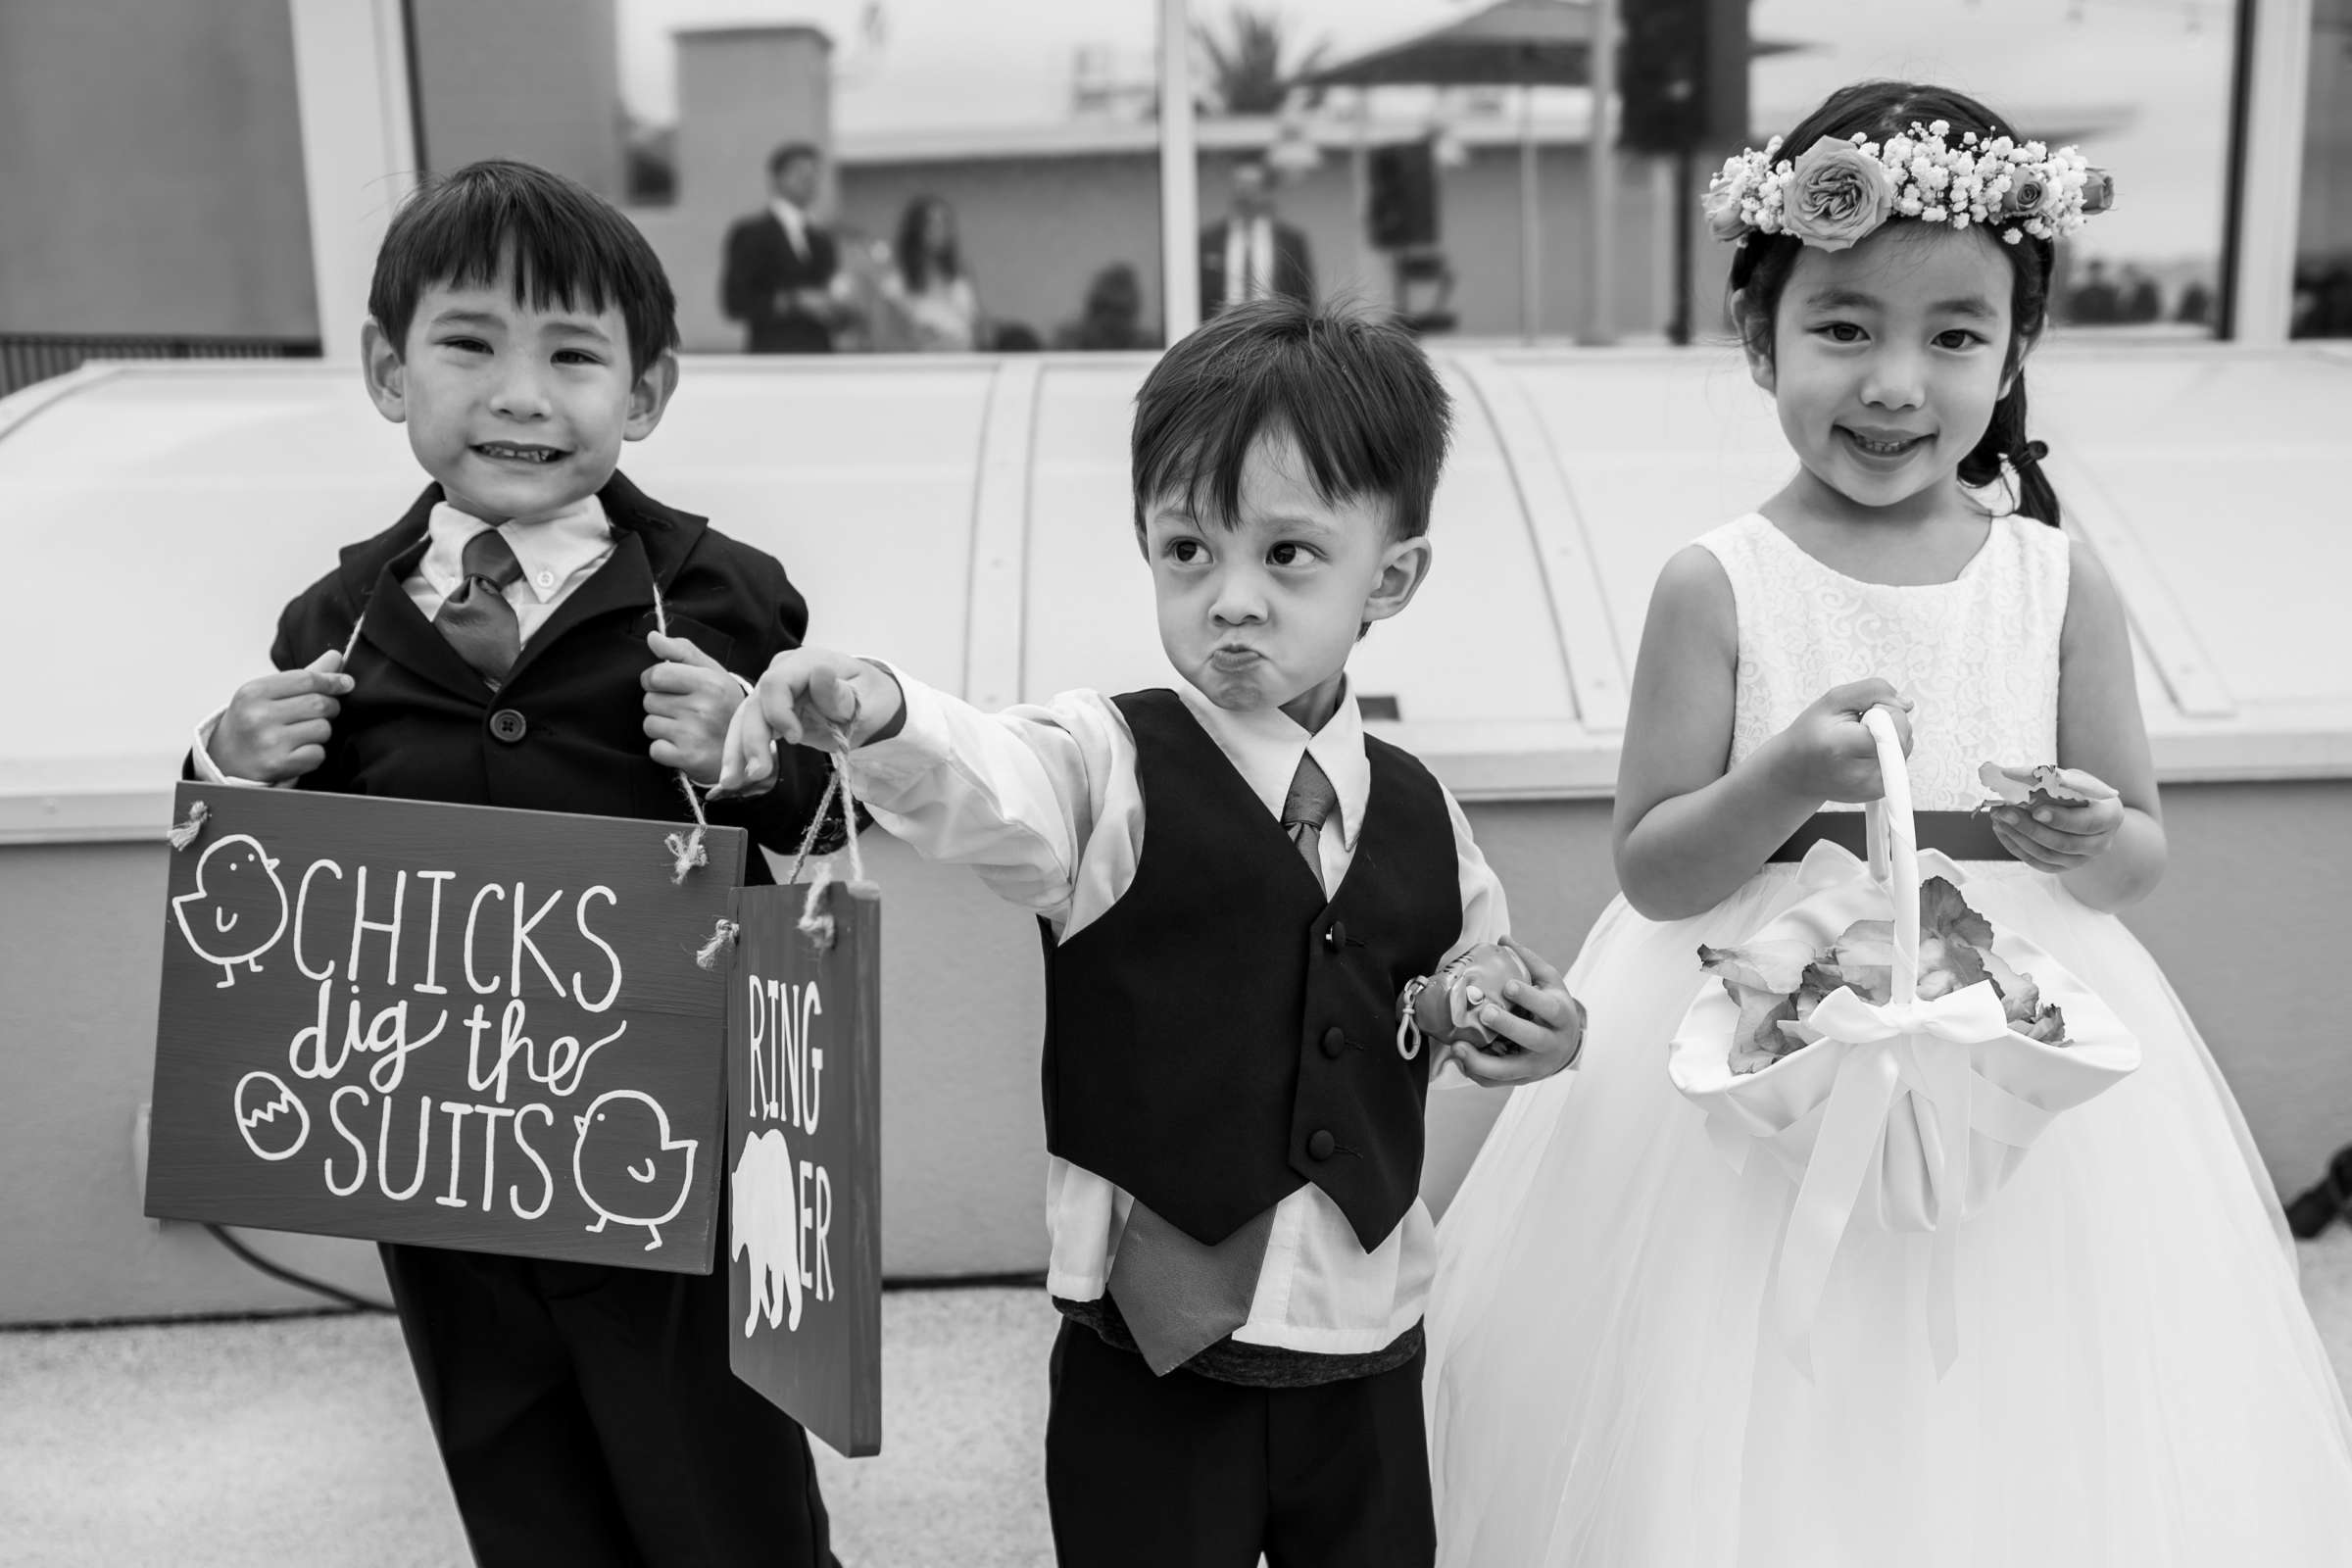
(627, 1166)
(764, 1218)
(238, 908)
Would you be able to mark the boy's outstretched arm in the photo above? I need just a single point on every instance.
(1017, 796)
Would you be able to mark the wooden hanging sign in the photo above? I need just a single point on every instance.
(803, 1139)
(452, 1025)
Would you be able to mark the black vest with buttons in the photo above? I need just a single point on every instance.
(1223, 1035)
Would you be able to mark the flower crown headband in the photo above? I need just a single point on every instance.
(1840, 192)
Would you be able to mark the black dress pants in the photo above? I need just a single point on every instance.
(1186, 1472)
(587, 1417)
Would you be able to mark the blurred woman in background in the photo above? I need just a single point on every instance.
(929, 305)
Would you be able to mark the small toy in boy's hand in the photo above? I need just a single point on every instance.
(1445, 1006)
(1779, 984)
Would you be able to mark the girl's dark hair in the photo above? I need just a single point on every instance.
(1357, 394)
(1761, 266)
(913, 251)
(566, 243)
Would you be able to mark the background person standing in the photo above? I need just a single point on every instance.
(781, 274)
(1250, 254)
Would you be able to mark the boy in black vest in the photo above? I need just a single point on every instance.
(1239, 1247)
(522, 330)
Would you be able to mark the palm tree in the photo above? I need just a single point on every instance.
(1246, 71)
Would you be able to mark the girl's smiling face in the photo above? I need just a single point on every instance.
(1885, 361)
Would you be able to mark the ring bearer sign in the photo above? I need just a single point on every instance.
(803, 1149)
(454, 1025)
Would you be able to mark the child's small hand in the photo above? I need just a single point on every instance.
(2062, 836)
(1825, 753)
(1546, 1041)
(808, 697)
(689, 699)
(277, 727)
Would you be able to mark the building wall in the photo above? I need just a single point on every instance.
(151, 169)
(2246, 926)
(534, 80)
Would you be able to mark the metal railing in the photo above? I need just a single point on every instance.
(29, 356)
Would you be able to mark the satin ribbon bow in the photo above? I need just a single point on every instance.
(1921, 1047)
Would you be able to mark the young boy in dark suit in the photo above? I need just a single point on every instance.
(522, 330)
(1239, 1247)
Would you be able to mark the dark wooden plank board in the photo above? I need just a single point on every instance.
(804, 1140)
(506, 1048)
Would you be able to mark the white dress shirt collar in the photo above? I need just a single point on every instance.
(794, 222)
(1264, 745)
(552, 548)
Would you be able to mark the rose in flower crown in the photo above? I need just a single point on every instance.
(1838, 192)
(1835, 195)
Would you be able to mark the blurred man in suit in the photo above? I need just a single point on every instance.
(780, 271)
(1250, 254)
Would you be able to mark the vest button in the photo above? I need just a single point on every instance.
(508, 726)
(1335, 1042)
(1337, 937)
(1320, 1145)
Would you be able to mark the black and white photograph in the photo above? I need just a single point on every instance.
(1176, 784)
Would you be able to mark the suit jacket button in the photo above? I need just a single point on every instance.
(1320, 1145)
(508, 726)
(1335, 1042)
(1337, 937)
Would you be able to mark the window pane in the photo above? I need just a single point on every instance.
(2324, 239)
(1441, 192)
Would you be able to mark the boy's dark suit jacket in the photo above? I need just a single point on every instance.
(760, 262)
(1294, 267)
(565, 732)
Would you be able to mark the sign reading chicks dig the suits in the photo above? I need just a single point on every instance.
(451, 1025)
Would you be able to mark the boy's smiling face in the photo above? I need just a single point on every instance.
(517, 410)
(1263, 613)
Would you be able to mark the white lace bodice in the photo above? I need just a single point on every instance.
(1978, 655)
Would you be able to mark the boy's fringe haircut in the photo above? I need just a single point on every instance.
(568, 247)
(1357, 394)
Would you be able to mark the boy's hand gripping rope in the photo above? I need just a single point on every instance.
(814, 923)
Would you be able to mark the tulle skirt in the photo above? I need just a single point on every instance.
(2139, 1380)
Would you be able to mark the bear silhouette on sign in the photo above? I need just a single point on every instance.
(238, 908)
(627, 1166)
(764, 1218)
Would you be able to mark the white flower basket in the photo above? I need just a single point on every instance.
(1909, 1116)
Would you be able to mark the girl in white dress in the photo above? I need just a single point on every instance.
(2139, 1380)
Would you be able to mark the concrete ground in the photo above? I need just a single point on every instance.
(300, 1439)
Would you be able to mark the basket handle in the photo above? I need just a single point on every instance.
(1895, 852)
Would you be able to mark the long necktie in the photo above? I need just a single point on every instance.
(476, 619)
(1180, 1295)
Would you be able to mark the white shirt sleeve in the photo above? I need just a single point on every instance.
(1018, 796)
